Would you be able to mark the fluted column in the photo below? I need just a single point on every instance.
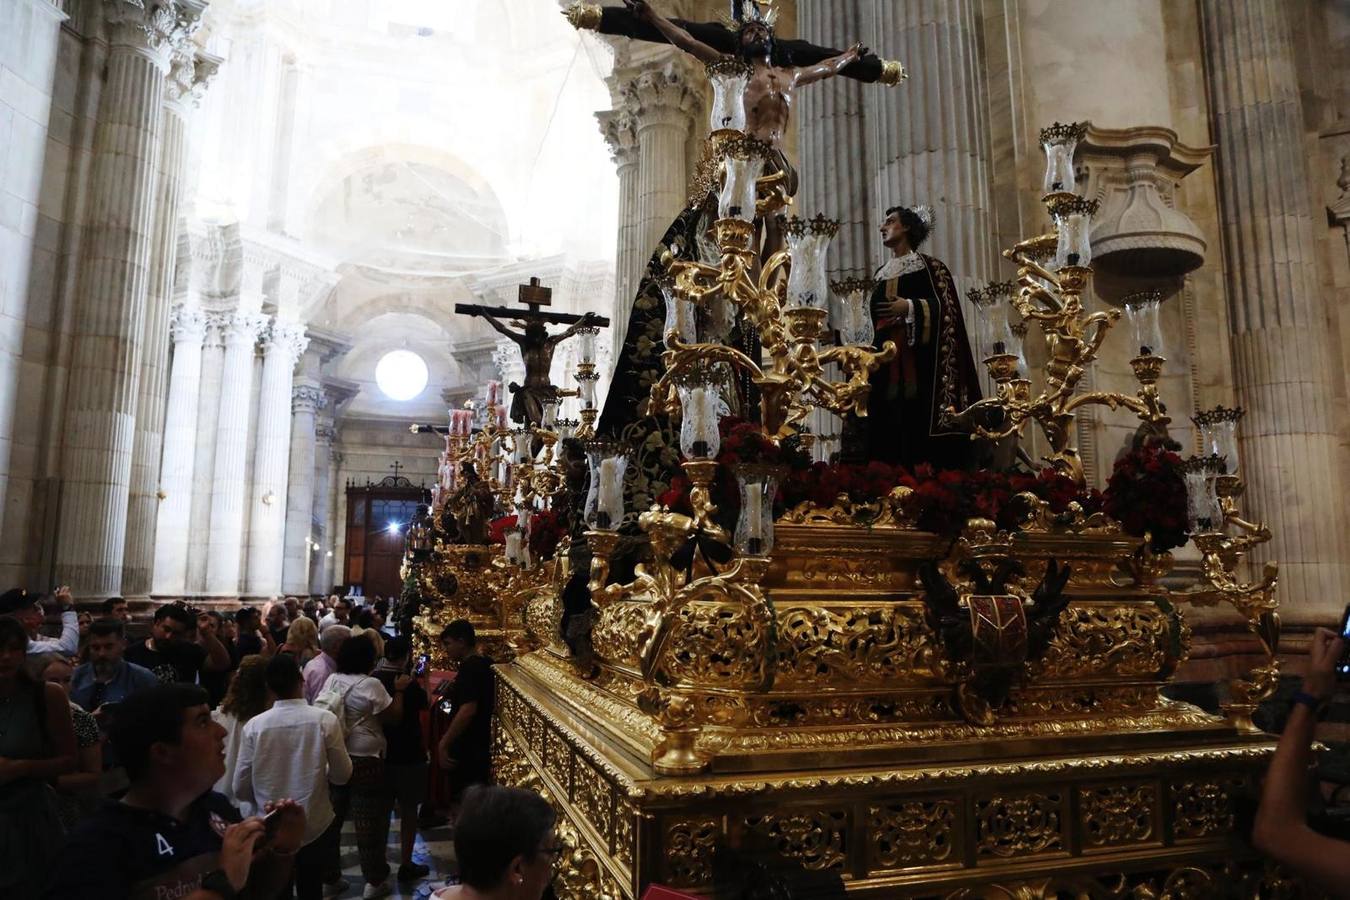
(325, 506)
(204, 450)
(110, 302)
(621, 133)
(271, 462)
(185, 87)
(661, 102)
(28, 59)
(1282, 356)
(835, 169)
(306, 400)
(173, 519)
(931, 135)
(225, 542)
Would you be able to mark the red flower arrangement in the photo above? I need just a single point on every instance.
(547, 529)
(1146, 494)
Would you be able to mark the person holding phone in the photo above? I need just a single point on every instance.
(1281, 829)
(405, 759)
(170, 835)
(27, 608)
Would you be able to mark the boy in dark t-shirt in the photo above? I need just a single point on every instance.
(171, 835)
(466, 747)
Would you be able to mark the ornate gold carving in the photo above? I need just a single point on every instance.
(912, 833)
(1018, 825)
(689, 846)
(816, 838)
(593, 797)
(858, 645)
(1204, 807)
(583, 15)
(1101, 641)
(892, 72)
(1117, 814)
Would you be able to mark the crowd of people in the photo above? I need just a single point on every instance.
(221, 755)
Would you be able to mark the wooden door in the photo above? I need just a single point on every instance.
(377, 526)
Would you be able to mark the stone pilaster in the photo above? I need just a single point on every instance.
(1281, 344)
(225, 541)
(931, 136)
(620, 132)
(188, 78)
(267, 521)
(28, 48)
(306, 400)
(835, 166)
(173, 520)
(326, 461)
(110, 302)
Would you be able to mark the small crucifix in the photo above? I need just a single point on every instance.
(397, 467)
(536, 344)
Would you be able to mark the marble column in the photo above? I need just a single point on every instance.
(306, 400)
(204, 450)
(1282, 354)
(185, 87)
(110, 302)
(930, 137)
(173, 519)
(621, 133)
(224, 553)
(326, 461)
(267, 521)
(836, 167)
(29, 30)
(661, 102)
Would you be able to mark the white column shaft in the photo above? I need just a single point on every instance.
(271, 466)
(225, 541)
(174, 513)
(109, 318)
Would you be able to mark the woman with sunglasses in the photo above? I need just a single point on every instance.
(505, 844)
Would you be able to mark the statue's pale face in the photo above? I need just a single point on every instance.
(893, 231)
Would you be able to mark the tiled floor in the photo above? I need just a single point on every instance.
(434, 849)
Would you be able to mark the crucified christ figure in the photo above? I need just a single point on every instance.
(536, 349)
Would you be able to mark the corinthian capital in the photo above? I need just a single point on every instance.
(307, 398)
(288, 339)
(660, 96)
(188, 325)
(149, 27)
(620, 131)
(243, 328)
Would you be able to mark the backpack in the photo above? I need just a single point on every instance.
(335, 701)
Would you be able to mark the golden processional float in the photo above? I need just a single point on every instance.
(972, 710)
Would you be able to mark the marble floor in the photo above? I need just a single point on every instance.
(434, 848)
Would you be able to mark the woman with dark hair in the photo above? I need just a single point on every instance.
(505, 845)
(364, 706)
(37, 744)
(77, 793)
(245, 698)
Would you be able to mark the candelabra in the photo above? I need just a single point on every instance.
(1051, 297)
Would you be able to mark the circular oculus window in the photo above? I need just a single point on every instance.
(401, 374)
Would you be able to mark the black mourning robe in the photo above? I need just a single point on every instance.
(934, 369)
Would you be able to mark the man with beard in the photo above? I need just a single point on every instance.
(107, 678)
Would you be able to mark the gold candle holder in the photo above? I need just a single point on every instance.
(1148, 369)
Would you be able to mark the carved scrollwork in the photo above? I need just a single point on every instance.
(689, 847)
(1097, 641)
(1117, 814)
(621, 629)
(912, 833)
(1018, 825)
(854, 645)
(1204, 807)
(818, 839)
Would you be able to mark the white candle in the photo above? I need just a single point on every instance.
(588, 344)
(513, 546)
(611, 483)
(587, 393)
(494, 392)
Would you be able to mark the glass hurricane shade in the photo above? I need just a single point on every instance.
(852, 318)
(1144, 312)
(728, 103)
(550, 419)
(604, 500)
(808, 283)
(1203, 512)
(754, 526)
(1059, 174)
(587, 337)
(701, 409)
(1075, 245)
(587, 387)
(736, 200)
(679, 315)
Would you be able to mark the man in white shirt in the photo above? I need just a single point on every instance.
(294, 750)
(27, 608)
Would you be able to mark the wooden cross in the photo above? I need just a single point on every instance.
(397, 467)
(535, 295)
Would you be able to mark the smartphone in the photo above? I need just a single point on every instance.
(271, 822)
(421, 665)
(1343, 664)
